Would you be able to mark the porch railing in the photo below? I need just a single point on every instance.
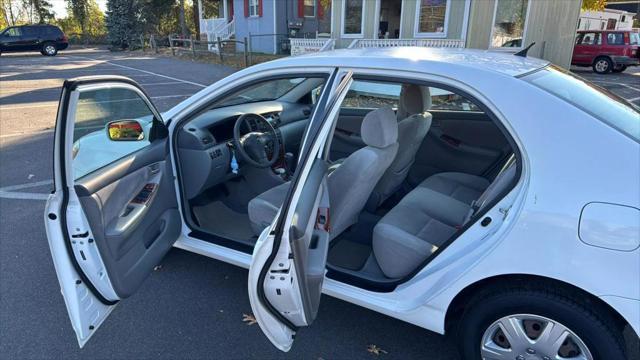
(376, 43)
(301, 46)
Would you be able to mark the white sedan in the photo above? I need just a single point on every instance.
(489, 196)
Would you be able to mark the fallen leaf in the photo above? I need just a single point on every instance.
(249, 319)
(374, 349)
(157, 268)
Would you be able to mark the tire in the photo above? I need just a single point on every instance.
(602, 65)
(619, 69)
(49, 49)
(588, 329)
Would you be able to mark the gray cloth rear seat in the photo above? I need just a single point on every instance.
(460, 186)
(429, 215)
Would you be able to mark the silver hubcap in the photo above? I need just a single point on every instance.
(602, 65)
(49, 49)
(531, 337)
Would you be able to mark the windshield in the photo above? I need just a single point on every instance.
(600, 103)
(265, 91)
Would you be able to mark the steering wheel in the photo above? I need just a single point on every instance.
(260, 147)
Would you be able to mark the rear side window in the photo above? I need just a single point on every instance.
(615, 39)
(634, 38)
(600, 103)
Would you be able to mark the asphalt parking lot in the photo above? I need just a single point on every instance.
(192, 306)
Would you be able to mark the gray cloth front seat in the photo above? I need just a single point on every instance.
(413, 124)
(350, 184)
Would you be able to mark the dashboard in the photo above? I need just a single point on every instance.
(202, 143)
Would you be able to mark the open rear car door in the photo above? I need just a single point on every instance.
(288, 264)
(113, 214)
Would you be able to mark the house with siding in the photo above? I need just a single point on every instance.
(499, 25)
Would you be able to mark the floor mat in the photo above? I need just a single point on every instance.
(220, 220)
(349, 255)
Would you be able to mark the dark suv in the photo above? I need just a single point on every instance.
(47, 39)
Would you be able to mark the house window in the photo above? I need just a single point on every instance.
(253, 7)
(509, 23)
(431, 17)
(352, 18)
(611, 24)
(309, 8)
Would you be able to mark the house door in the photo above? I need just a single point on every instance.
(389, 19)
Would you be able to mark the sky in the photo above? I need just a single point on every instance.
(60, 7)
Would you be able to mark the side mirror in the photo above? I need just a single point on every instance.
(125, 130)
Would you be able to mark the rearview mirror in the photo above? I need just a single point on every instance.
(125, 130)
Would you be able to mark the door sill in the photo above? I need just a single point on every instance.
(214, 251)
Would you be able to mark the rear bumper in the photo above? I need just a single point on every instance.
(62, 46)
(625, 60)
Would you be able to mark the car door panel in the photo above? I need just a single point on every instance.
(467, 142)
(131, 247)
(289, 259)
(347, 137)
(113, 214)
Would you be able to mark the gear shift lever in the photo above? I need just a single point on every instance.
(289, 163)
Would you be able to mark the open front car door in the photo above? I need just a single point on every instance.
(288, 265)
(113, 214)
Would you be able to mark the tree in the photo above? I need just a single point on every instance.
(42, 10)
(593, 5)
(181, 17)
(94, 26)
(123, 18)
(80, 9)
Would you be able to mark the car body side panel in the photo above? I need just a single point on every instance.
(569, 159)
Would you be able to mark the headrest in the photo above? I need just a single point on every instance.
(414, 99)
(380, 128)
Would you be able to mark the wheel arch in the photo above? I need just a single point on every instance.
(504, 281)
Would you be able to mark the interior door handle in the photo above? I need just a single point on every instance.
(450, 140)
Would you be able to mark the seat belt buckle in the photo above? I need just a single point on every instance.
(323, 220)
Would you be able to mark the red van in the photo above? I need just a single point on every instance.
(606, 50)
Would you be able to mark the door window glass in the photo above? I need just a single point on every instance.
(104, 124)
(431, 16)
(590, 39)
(615, 39)
(13, 32)
(373, 95)
(634, 38)
(509, 23)
(446, 100)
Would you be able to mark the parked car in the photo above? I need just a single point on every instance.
(403, 180)
(606, 50)
(47, 39)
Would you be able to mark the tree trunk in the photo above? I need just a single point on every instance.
(183, 24)
(196, 18)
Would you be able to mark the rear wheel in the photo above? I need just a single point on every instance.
(602, 65)
(619, 69)
(49, 49)
(534, 324)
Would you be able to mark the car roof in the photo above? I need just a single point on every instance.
(419, 59)
(604, 31)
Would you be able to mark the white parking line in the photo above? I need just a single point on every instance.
(144, 71)
(26, 185)
(23, 195)
(56, 104)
